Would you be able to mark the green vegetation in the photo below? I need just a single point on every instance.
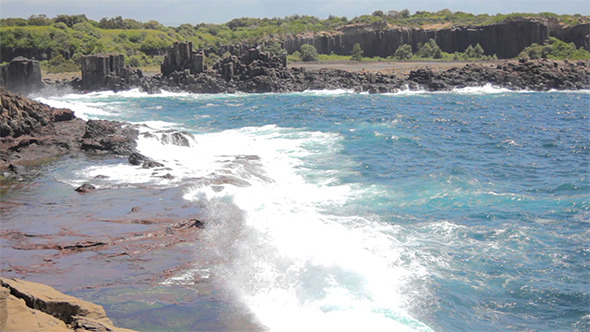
(554, 49)
(431, 51)
(308, 53)
(403, 52)
(144, 43)
(357, 52)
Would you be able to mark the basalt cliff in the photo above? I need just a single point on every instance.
(506, 39)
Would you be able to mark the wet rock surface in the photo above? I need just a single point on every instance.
(32, 132)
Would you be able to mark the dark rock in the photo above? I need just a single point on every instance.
(108, 72)
(82, 245)
(85, 188)
(151, 164)
(31, 131)
(136, 159)
(176, 138)
(145, 162)
(21, 75)
(505, 39)
(180, 57)
(103, 136)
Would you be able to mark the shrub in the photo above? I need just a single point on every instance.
(403, 52)
(58, 64)
(357, 52)
(308, 53)
(474, 52)
(296, 56)
(554, 49)
(274, 48)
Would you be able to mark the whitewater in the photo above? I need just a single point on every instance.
(330, 210)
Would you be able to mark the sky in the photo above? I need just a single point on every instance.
(176, 12)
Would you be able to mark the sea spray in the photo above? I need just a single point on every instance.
(294, 265)
(463, 210)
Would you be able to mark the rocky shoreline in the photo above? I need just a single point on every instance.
(32, 133)
(31, 306)
(262, 77)
(255, 71)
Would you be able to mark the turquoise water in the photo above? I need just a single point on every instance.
(456, 211)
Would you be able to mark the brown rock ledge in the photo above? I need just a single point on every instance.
(31, 306)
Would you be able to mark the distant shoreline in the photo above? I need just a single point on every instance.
(385, 67)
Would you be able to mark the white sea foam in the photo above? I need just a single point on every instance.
(477, 90)
(81, 110)
(482, 90)
(328, 92)
(285, 251)
(295, 265)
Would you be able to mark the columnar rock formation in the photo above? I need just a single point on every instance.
(181, 57)
(21, 75)
(106, 71)
(577, 34)
(506, 39)
(250, 64)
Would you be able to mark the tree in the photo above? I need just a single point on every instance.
(70, 20)
(469, 51)
(425, 51)
(357, 52)
(403, 52)
(478, 51)
(309, 53)
(430, 49)
(274, 48)
(39, 20)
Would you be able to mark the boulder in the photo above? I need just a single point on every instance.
(103, 136)
(145, 162)
(85, 188)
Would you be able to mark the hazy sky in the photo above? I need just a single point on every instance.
(176, 12)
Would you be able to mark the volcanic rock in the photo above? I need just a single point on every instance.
(31, 132)
(21, 75)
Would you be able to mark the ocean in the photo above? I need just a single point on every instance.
(466, 210)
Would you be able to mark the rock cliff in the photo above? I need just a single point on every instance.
(577, 34)
(506, 39)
